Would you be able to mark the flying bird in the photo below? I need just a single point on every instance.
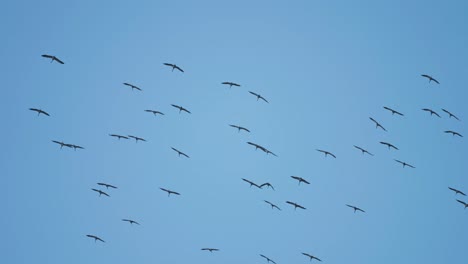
(118, 136)
(169, 192)
(231, 84)
(96, 238)
(251, 183)
(430, 78)
(133, 86)
(154, 112)
(393, 111)
(311, 257)
(363, 150)
(405, 164)
(136, 138)
(453, 133)
(39, 111)
(131, 221)
(174, 67)
(181, 108)
(268, 185)
(430, 111)
(239, 128)
(210, 249)
(53, 58)
(107, 185)
(300, 180)
(62, 144)
(457, 191)
(377, 124)
(257, 146)
(326, 153)
(355, 208)
(258, 96)
(180, 152)
(272, 205)
(450, 114)
(296, 205)
(100, 192)
(268, 259)
(388, 145)
(462, 202)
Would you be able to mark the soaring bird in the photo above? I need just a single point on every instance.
(363, 150)
(131, 221)
(231, 84)
(210, 249)
(258, 96)
(169, 192)
(181, 108)
(311, 257)
(268, 185)
(251, 183)
(457, 191)
(100, 192)
(326, 153)
(453, 133)
(239, 128)
(388, 145)
(462, 202)
(450, 114)
(272, 205)
(355, 208)
(257, 146)
(393, 111)
(39, 111)
(180, 152)
(405, 164)
(96, 238)
(377, 124)
(62, 144)
(268, 259)
(118, 136)
(154, 112)
(133, 86)
(430, 111)
(296, 205)
(300, 179)
(173, 66)
(53, 58)
(430, 78)
(136, 138)
(107, 185)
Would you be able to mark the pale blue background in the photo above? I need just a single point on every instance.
(325, 67)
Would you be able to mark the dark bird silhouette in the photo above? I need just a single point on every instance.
(272, 205)
(268, 185)
(457, 191)
(363, 150)
(154, 112)
(136, 138)
(393, 111)
(169, 192)
(355, 208)
(453, 133)
(107, 185)
(118, 136)
(210, 249)
(131, 221)
(133, 86)
(180, 152)
(405, 164)
(462, 202)
(251, 183)
(388, 145)
(239, 128)
(296, 205)
(326, 153)
(268, 259)
(62, 144)
(181, 108)
(96, 238)
(377, 124)
(430, 111)
(311, 257)
(231, 84)
(53, 58)
(174, 67)
(430, 78)
(300, 180)
(39, 111)
(257, 146)
(258, 96)
(450, 114)
(100, 192)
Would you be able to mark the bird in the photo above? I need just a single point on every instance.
(457, 191)
(133, 86)
(231, 84)
(272, 205)
(404, 164)
(259, 96)
(268, 259)
(75, 147)
(393, 111)
(107, 185)
(136, 138)
(251, 183)
(355, 208)
(118, 136)
(311, 257)
(388, 145)
(39, 111)
(326, 153)
(61, 144)
(430, 78)
(300, 179)
(96, 238)
(239, 128)
(169, 192)
(53, 58)
(430, 111)
(377, 124)
(257, 146)
(268, 185)
(210, 249)
(462, 202)
(450, 114)
(180, 152)
(181, 108)
(100, 192)
(154, 112)
(296, 205)
(173, 66)
(131, 221)
(363, 150)
(453, 133)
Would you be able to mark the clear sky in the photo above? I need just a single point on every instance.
(324, 66)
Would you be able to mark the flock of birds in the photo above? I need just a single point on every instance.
(257, 146)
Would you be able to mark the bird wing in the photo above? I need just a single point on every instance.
(168, 64)
(331, 154)
(358, 148)
(183, 109)
(243, 128)
(296, 178)
(176, 193)
(291, 203)
(304, 181)
(253, 93)
(177, 67)
(47, 56)
(261, 97)
(435, 81)
(399, 161)
(175, 150)
(462, 202)
(166, 190)
(176, 106)
(58, 60)
(373, 120)
(183, 154)
(359, 209)
(105, 193)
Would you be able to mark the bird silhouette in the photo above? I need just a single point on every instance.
(53, 58)
(239, 128)
(136, 138)
(268, 185)
(363, 150)
(210, 249)
(181, 108)
(300, 179)
(257, 146)
(311, 257)
(169, 192)
(118, 136)
(393, 111)
(388, 145)
(268, 259)
(296, 205)
(231, 84)
(377, 124)
(39, 111)
(96, 238)
(173, 66)
(355, 208)
(430, 111)
(405, 164)
(131, 221)
(457, 191)
(62, 144)
(133, 86)
(453, 133)
(462, 202)
(430, 78)
(258, 96)
(450, 114)
(272, 205)
(326, 153)
(100, 192)
(154, 112)
(180, 152)
(107, 185)
(251, 183)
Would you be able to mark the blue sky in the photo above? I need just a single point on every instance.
(324, 66)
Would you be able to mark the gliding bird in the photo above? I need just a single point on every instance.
(296, 205)
(169, 192)
(457, 191)
(95, 238)
(355, 208)
(239, 128)
(300, 180)
(393, 111)
(405, 164)
(363, 150)
(258, 96)
(181, 108)
(377, 124)
(272, 205)
(39, 111)
(231, 84)
(311, 257)
(388, 145)
(453, 133)
(133, 86)
(173, 66)
(326, 153)
(180, 152)
(53, 58)
(430, 78)
(450, 114)
(430, 111)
